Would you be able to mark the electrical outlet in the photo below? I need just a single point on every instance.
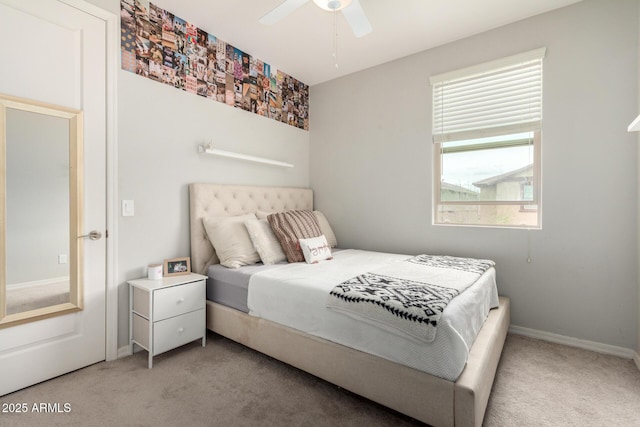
(62, 259)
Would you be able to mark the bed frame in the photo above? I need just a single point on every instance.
(422, 396)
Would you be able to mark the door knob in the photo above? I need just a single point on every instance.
(93, 235)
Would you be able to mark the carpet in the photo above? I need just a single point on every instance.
(226, 384)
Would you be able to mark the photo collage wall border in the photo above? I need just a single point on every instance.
(163, 47)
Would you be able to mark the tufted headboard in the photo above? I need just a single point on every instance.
(218, 200)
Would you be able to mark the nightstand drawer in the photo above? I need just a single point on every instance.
(176, 331)
(176, 300)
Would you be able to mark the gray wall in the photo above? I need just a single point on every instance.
(637, 359)
(160, 128)
(371, 168)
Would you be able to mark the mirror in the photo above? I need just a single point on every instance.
(40, 216)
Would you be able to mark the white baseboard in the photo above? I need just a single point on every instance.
(626, 353)
(124, 351)
(613, 350)
(42, 282)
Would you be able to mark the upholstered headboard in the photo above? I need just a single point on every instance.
(216, 200)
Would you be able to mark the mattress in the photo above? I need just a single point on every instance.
(295, 295)
(229, 286)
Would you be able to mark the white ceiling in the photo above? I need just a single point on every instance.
(301, 44)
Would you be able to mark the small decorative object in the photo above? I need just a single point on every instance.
(177, 266)
(154, 271)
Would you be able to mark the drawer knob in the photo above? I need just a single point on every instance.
(180, 330)
(180, 300)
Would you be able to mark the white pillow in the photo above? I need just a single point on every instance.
(264, 241)
(315, 249)
(263, 214)
(326, 229)
(230, 239)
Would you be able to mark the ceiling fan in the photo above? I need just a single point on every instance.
(351, 10)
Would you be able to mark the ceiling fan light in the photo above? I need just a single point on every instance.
(332, 5)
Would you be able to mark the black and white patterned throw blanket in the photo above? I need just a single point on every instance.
(408, 296)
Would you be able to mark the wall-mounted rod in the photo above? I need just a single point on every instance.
(208, 149)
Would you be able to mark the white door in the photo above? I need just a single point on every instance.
(54, 53)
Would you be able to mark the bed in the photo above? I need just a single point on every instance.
(426, 397)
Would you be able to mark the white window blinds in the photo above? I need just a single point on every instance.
(496, 98)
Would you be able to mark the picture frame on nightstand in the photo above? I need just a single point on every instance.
(177, 266)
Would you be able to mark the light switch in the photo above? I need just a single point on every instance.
(127, 208)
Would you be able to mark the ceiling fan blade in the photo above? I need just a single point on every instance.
(357, 19)
(280, 11)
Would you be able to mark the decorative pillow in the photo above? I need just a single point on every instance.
(230, 238)
(264, 241)
(326, 229)
(291, 226)
(315, 249)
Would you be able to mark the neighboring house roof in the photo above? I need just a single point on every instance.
(502, 177)
(456, 188)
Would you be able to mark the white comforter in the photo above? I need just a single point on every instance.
(295, 295)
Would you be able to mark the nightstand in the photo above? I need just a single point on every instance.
(167, 313)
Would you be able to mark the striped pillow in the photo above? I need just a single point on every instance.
(291, 226)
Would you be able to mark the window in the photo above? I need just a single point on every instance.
(487, 124)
